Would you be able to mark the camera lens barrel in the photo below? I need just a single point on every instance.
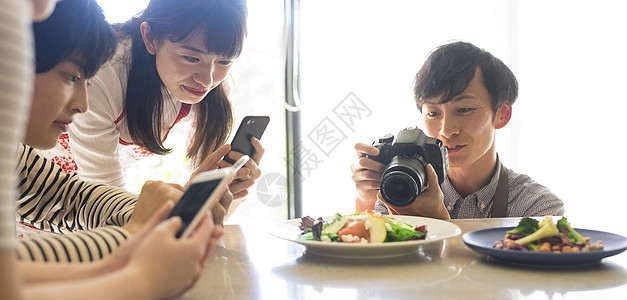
(399, 189)
(403, 180)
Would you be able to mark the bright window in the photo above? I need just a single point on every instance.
(569, 58)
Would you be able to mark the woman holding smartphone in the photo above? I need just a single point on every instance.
(170, 67)
(154, 264)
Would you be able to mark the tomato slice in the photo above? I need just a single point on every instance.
(356, 228)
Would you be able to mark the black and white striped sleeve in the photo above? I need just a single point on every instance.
(88, 216)
(79, 246)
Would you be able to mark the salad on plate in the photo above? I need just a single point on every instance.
(362, 227)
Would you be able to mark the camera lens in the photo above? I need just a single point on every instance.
(399, 189)
(403, 180)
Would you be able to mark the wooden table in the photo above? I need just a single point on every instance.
(251, 264)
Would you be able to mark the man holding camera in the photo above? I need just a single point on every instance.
(464, 94)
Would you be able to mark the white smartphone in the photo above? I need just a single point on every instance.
(240, 163)
(202, 194)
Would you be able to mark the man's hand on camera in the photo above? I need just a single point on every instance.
(430, 203)
(367, 176)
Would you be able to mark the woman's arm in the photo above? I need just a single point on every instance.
(80, 246)
(115, 285)
(94, 218)
(50, 199)
(47, 272)
(94, 137)
(153, 265)
(9, 276)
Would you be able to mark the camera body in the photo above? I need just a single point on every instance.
(406, 157)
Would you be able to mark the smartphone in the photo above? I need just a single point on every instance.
(240, 163)
(250, 126)
(202, 194)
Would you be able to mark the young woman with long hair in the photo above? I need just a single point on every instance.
(154, 263)
(171, 64)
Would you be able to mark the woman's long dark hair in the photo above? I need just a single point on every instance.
(223, 23)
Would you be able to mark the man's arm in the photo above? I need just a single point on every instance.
(361, 205)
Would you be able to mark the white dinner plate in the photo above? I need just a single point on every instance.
(437, 230)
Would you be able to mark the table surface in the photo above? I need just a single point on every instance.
(252, 264)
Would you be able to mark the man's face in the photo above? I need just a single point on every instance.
(58, 95)
(466, 124)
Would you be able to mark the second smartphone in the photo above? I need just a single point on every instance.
(249, 127)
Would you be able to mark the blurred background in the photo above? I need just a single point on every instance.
(356, 66)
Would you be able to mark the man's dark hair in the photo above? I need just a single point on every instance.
(450, 68)
(76, 30)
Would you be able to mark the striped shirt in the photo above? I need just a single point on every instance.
(16, 77)
(527, 198)
(88, 216)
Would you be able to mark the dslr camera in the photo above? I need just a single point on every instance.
(406, 157)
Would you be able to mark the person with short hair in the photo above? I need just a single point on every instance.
(465, 94)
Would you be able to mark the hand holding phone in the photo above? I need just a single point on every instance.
(202, 195)
(240, 163)
(250, 126)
